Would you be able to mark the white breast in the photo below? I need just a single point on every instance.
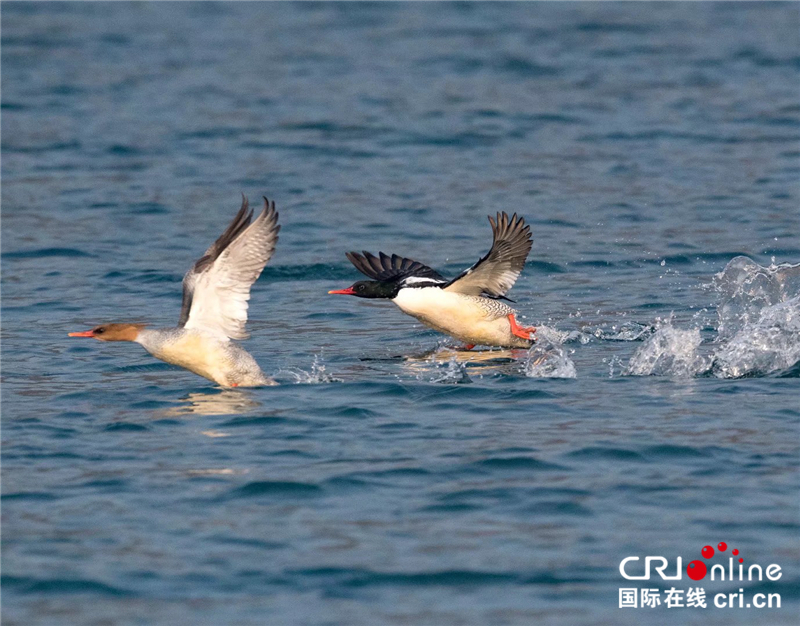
(467, 318)
(197, 351)
(428, 302)
(206, 354)
(198, 354)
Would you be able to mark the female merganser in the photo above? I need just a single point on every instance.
(215, 295)
(467, 307)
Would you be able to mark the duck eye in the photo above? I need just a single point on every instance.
(99, 330)
(360, 288)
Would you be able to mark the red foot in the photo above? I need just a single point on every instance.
(525, 332)
(469, 346)
(234, 384)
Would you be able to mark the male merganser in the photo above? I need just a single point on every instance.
(467, 307)
(214, 311)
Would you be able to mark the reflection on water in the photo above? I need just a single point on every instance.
(441, 355)
(224, 471)
(227, 402)
(449, 365)
(545, 359)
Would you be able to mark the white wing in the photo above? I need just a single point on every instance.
(217, 288)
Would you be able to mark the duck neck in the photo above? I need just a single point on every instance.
(150, 339)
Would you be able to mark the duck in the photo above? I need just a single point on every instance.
(471, 307)
(216, 290)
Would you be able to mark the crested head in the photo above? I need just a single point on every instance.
(112, 332)
(370, 289)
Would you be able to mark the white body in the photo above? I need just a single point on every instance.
(471, 319)
(210, 355)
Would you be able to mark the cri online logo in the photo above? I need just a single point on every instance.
(697, 569)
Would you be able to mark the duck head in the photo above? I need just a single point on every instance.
(112, 332)
(370, 289)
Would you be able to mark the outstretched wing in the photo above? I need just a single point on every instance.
(497, 272)
(217, 288)
(393, 268)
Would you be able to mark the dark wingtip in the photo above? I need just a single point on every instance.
(355, 258)
(244, 208)
(271, 216)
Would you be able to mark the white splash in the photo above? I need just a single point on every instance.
(769, 344)
(759, 319)
(547, 358)
(669, 352)
(629, 331)
(451, 372)
(316, 375)
(758, 328)
(746, 289)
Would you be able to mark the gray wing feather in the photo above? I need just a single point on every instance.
(497, 272)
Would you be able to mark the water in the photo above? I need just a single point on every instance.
(389, 480)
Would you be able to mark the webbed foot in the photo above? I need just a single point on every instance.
(524, 332)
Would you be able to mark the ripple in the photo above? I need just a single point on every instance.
(126, 427)
(31, 585)
(610, 454)
(544, 267)
(314, 271)
(246, 541)
(261, 420)
(525, 68)
(144, 276)
(312, 148)
(697, 138)
(56, 146)
(352, 412)
(368, 578)
(557, 508)
(518, 463)
(262, 488)
(674, 451)
(43, 253)
(29, 495)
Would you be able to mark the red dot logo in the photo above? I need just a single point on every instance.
(707, 552)
(742, 561)
(722, 546)
(696, 570)
(735, 552)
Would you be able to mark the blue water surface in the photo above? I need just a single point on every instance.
(385, 480)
